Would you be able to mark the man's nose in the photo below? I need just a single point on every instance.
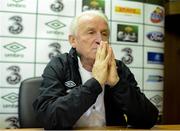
(98, 38)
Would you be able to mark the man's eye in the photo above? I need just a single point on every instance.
(91, 32)
(105, 34)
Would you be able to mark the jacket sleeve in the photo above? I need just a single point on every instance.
(57, 109)
(140, 112)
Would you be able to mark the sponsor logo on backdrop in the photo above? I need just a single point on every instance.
(127, 10)
(127, 58)
(15, 76)
(93, 5)
(16, 27)
(157, 100)
(56, 47)
(127, 33)
(16, 3)
(14, 47)
(55, 25)
(11, 97)
(155, 36)
(57, 6)
(155, 78)
(11, 101)
(157, 15)
(155, 58)
(13, 122)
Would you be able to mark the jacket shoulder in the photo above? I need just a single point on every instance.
(58, 65)
(60, 60)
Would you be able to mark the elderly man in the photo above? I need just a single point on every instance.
(87, 87)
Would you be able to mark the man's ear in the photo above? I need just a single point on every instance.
(72, 41)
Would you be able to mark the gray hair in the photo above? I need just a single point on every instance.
(74, 23)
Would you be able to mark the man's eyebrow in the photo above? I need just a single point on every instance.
(106, 30)
(93, 28)
(90, 28)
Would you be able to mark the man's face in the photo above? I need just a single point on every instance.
(90, 32)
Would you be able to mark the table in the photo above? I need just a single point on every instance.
(156, 127)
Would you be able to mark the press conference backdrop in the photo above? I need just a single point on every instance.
(34, 31)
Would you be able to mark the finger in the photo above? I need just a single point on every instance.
(98, 52)
(111, 51)
(103, 51)
(113, 62)
(113, 56)
(108, 49)
(109, 55)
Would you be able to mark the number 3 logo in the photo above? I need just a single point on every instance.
(128, 58)
(15, 77)
(57, 6)
(17, 27)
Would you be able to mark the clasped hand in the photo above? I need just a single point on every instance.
(104, 69)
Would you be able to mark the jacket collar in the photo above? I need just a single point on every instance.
(73, 54)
